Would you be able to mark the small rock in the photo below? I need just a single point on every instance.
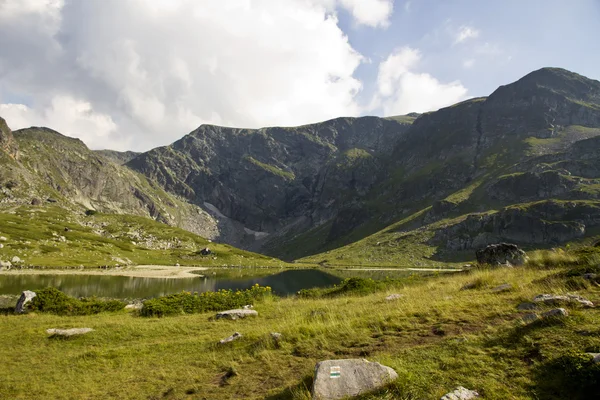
(394, 296)
(134, 306)
(5, 264)
(530, 317)
(502, 288)
(527, 306)
(338, 379)
(177, 265)
(25, 298)
(460, 393)
(235, 314)
(590, 276)
(248, 307)
(231, 338)
(555, 313)
(205, 251)
(596, 357)
(1, 246)
(69, 332)
(554, 299)
(3, 239)
(276, 336)
(16, 260)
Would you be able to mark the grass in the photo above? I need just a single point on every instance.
(287, 175)
(50, 237)
(436, 337)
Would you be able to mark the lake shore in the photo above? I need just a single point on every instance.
(139, 271)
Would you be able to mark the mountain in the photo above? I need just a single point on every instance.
(518, 165)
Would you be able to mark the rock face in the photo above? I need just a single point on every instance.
(501, 254)
(461, 393)
(338, 379)
(236, 314)
(68, 332)
(25, 298)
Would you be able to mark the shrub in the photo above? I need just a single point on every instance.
(53, 301)
(574, 376)
(188, 303)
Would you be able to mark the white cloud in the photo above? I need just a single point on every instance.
(146, 72)
(402, 90)
(370, 12)
(465, 33)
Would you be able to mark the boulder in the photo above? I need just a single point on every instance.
(394, 296)
(5, 264)
(460, 393)
(338, 379)
(231, 338)
(502, 288)
(16, 260)
(530, 317)
(25, 298)
(555, 299)
(235, 314)
(501, 254)
(555, 313)
(68, 332)
(206, 251)
(527, 306)
(3, 239)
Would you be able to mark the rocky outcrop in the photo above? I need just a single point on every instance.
(501, 254)
(7, 142)
(339, 379)
(556, 299)
(460, 393)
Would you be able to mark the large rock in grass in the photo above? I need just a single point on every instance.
(461, 393)
(557, 299)
(338, 379)
(68, 332)
(25, 298)
(236, 314)
(501, 254)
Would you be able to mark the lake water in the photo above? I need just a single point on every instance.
(122, 287)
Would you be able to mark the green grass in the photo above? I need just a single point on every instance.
(436, 337)
(287, 175)
(50, 236)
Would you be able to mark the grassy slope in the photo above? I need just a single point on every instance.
(34, 235)
(436, 337)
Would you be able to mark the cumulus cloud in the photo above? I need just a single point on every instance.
(137, 74)
(401, 89)
(464, 33)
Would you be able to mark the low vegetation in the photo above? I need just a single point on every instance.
(437, 336)
(53, 301)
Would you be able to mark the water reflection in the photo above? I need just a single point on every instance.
(283, 284)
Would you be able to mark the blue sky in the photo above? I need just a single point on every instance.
(135, 74)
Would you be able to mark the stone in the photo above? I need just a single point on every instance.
(590, 276)
(25, 298)
(338, 379)
(276, 336)
(460, 393)
(555, 299)
(1, 246)
(596, 357)
(501, 254)
(3, 239)
(16, 260)
(68, 332)
(394, 296)
(530, 317)
(235, 314)
(555, 313)
(205, 251)
(248, 307)
(502, 288)
(134, 306)
(231, 338)
(527, 306)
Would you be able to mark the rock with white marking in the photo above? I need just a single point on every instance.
(25, 298)
(68, 332)
(556, 299)
(236, 314)
(231, 338)
(338, 379)
(461, 393)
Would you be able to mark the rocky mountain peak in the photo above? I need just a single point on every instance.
(7, 142)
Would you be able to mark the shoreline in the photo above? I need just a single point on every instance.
(139, 271)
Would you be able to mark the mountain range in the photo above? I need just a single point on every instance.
(521, 165)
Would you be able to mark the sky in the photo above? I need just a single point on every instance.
(137, 74)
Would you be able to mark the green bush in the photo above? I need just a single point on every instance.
(53, 301)
(188, 303)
